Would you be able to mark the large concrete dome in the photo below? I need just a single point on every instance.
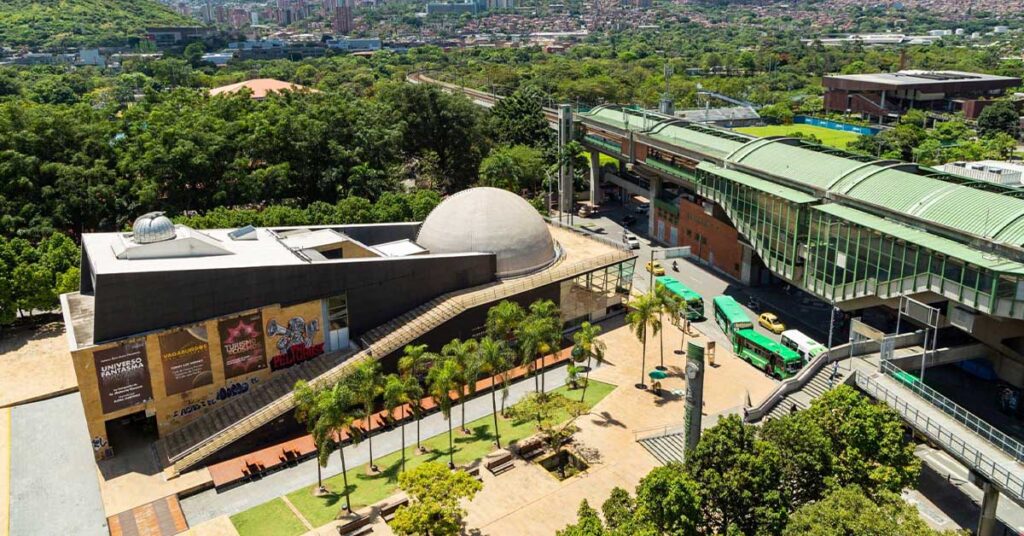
(490, 220)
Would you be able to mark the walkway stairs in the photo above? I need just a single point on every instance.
(666, 448)
(234, 419)
(818, 385)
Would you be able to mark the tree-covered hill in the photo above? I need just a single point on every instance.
(64, 23)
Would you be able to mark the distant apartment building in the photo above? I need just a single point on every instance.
(456, 8)
(341, 22)
(884, 97)
(166, 36)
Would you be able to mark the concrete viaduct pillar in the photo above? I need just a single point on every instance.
(651, 196)
(595, 178)
(987, 523)
(565, 186)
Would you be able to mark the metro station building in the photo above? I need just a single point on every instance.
(197, 336)
(852, 230)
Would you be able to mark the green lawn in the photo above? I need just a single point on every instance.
(832, 138)
(367, 489)
(272, 518)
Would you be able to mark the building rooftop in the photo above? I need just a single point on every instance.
(916, 79)
(260, 87)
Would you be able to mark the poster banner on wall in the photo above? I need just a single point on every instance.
(185, 356)
(295, 341)
(123, 375)
(241, 344)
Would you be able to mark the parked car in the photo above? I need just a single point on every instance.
(628, 220)
(655, 268)
(771, 322)
(631, 240)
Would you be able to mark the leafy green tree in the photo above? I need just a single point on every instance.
(807, 467)
(434, 495)
(469, 364)
(643, 319)
(850, 511)
(504, 321)
(518, 119)
(669, 500)
(194, 53)
(367, 384)
(444, 125)
(336, 405)
(867, 442)
(587, 347)
(588, 523)
(618, 509)
(398, 396)
(539, 334)
(308, 410)
(779, 113)
(494, 360)
(442, 380)
(553, 414)
(1001, 116)
(413, 365)
(738, 475)
(516, 168)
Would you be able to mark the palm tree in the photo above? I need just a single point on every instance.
(413, 366)
(494, 361)
(442, 380)
(337, 403)
(546, 327)
(366, 383)
(465, 355)
(309, 411)
(504, 320)
(642, 318)
(397, 394)
(590, 348)
(669, 304)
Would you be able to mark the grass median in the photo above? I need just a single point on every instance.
(368, 489)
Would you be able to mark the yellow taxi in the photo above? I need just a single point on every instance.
(655, 268)
(771, 322)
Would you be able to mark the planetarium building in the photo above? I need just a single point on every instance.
(196, 337)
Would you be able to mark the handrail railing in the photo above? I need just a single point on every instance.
(451, 304)
(838, 353)
(1004, 478)
(662, 430)
(998, 439)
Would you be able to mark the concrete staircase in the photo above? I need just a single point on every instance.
(234, 419)
(815, 387)
(666, 448)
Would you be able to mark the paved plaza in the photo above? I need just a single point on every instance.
(53, 476)
(34, 364)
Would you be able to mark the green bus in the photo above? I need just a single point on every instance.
(730, 316)
(694, 302)
(773, 358)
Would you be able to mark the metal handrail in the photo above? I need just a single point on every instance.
(997, 438)
(993, 471)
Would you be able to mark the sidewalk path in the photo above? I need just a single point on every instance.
(5, 471)
(210, 504)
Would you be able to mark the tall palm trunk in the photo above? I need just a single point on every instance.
(586, 381)
(533, 369)
(661, 343)
(451, 446)
(543, 389)
(403, 438)
(344, 479)
(369, 438)
(419, 417)
(462, 404)
(494, 411)
(319, 478)
(643, 360)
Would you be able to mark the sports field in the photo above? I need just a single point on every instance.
(832, 138)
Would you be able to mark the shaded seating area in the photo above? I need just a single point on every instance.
(276, 457)
(500, 462)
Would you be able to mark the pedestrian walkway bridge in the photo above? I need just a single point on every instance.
(978, 445)
(233, 420)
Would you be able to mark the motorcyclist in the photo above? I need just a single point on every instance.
(675, 266)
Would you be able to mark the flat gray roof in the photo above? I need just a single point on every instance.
(922, 78)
